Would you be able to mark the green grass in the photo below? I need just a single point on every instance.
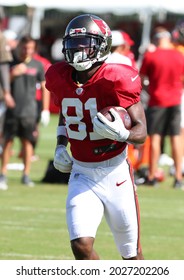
(33, 226)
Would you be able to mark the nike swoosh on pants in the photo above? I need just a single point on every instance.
(119, 184)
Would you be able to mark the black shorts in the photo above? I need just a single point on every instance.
(20, 127)
(164, 121)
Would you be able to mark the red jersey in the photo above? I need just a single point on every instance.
(164, 69)
(112, 84)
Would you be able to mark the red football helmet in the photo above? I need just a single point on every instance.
(87, 40)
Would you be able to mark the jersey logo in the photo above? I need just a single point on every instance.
(79, 91)
(134, 78)
(121, 183)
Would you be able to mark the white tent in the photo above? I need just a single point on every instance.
(145, 8)
(115, 6)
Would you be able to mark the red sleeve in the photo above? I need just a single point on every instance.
(127, 83)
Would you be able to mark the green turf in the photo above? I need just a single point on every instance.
(33, 226)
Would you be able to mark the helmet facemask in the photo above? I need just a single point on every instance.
(82, 51)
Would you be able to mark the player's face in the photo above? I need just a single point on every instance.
(85, 45)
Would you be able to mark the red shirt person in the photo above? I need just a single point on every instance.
(164, 68)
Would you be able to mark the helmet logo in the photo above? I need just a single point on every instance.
(103, 27)
(77, 30)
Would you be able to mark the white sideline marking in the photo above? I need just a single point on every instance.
(29, 256)
(14, 227)
(19, 208)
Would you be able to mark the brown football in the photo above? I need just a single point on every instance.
(122, 113)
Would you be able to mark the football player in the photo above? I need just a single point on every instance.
(101, 180)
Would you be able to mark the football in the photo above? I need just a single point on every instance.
(122, 113)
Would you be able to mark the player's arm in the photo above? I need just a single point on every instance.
(138, 132)
(62, 160)
(62, 138)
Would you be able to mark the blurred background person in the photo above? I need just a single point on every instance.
(118, 48)
(21, 120)
(43, 116)
(6, 99)
(178, 41)
(128, 43)
(164, 105)
(12, 39)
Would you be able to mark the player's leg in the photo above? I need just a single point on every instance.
(82, 249)
(84, 214)
(122, 212)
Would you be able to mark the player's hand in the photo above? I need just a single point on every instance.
(62, 160)
(45, 117)
(112, 130)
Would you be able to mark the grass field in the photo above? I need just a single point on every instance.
(32, 220)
